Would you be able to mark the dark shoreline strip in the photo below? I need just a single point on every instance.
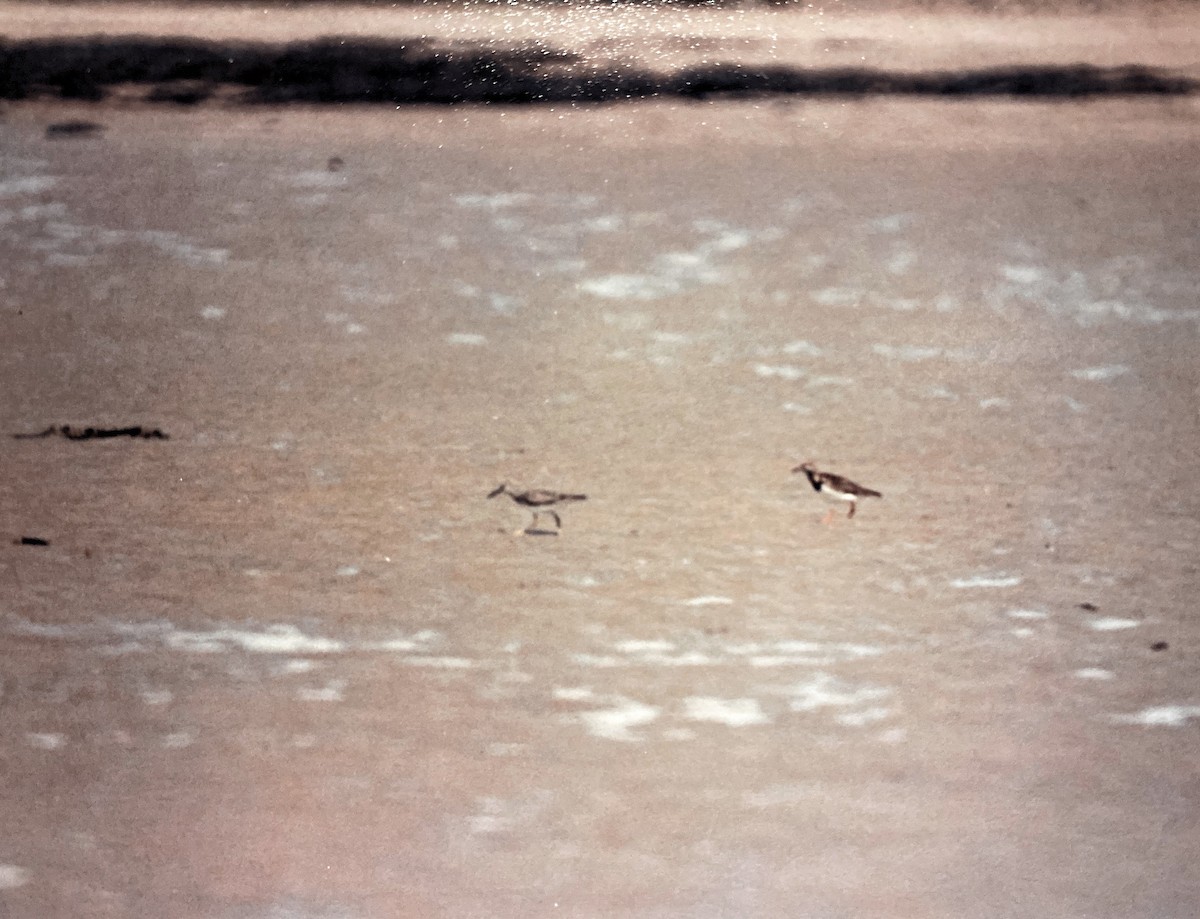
(417, 71)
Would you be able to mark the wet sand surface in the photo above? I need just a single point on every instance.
(292, 663)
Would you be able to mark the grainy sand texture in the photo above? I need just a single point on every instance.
(290, 662)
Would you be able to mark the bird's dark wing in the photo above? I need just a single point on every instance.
(846, 487)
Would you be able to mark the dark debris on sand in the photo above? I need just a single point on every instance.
(90, 433)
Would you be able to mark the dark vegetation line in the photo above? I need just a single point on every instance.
(187, 71)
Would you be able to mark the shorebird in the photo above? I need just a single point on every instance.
(539, 501)
(835, 488)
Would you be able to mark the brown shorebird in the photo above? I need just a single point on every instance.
(835, 488)
(539, 501)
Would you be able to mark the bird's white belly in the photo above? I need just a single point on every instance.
(830, 495)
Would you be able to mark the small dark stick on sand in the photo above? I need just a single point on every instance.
(539, 501)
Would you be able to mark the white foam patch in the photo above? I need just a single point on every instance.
(176, 246)
(1027, 614)
(986, 580)
(617, 722)
(709, 600)
(822, 381)
(808, 349)
(14, 876)
(1022, 632)
(1112, 624)
(670, 338)
(493, 202)
(825, 691)
(630, 321)
(892, 223)
(734, 713)
(440, 663)
(314, 178)
(800, 653)
(46, 740)
(628, 287)
(912, 353)
(213, 312)
(157, 696)
(178, 740)
(796, 408)
(466, 338)
(1022, 274)
(1073, 404)
(993, 402)
(782, 371)
(331, 692)
(1101, 374)
(867, 716)
(26, 185)
(837, 296)
(296, 665)
(573, 694)
(276, 639)
(1172, 716)
(901, 262)
(636, 646)
(1093, 673)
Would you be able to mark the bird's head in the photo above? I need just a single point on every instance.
(498, 490)
(805, 467)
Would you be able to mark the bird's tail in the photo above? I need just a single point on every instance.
(868, 493)
(573, 498)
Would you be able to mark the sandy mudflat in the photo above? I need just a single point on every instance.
(291, 663)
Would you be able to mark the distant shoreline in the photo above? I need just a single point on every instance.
(419, 71)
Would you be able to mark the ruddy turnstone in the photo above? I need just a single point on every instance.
(836, 488)
(539, 501)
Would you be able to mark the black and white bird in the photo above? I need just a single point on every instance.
(539, 501)
(836, 488)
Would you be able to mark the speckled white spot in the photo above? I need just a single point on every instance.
(573, 694)
(824, 691)
(1093, 673)
(157, 696)
(641, 646)
(46, 740)
(615, 723)
(466, 338)
(13, 876)
(732, 712)
(26, 185)
(1022, 274)
(1111, 624)
(1027, 614)
(1172, 716)
(1022, 632)
(782, 371)
(213, 312)
(177, 740)
(332, 692)
(347, 571)
(708, 600)
(805, 348)
(986, 580)
(1100, 374)
(439, 663)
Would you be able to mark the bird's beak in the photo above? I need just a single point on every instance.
(497, 490)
